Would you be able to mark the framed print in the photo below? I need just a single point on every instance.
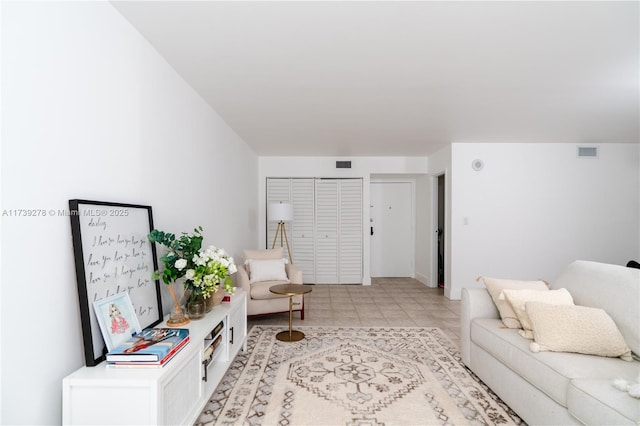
(113, 255)
(117, 319)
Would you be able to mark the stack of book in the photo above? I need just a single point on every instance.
(151, 347)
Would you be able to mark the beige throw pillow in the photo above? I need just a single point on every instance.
(578, 329)
(518, 298)
(495, 287)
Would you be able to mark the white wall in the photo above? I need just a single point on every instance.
(90, 110)
(536, 207)
(362, 167)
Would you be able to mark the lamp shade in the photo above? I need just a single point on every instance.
(277, 212)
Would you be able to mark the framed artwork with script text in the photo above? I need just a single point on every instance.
(113, 255)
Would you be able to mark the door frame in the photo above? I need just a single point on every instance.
(412, 182)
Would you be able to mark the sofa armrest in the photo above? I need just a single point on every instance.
(475, 303)
(294, 274)
(242, 280)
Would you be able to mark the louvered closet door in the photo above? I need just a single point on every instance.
(302, 197)
(350, 231)
(326, 231)
(278, 190)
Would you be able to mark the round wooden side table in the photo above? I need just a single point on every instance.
(290, 290)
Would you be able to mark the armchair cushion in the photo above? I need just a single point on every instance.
(274, 253)
(260, 290)
(267, 270)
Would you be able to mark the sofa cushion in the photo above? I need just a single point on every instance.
(577, 329)
(495, 286)
(518, 298)
(614, 288)
(595, 401)
(551, 372)
(260, 290)
(274, 253)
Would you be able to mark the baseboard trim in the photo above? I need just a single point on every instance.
(423, 279)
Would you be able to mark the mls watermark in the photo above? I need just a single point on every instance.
(97, 212)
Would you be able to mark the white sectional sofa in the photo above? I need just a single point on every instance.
(558, 388)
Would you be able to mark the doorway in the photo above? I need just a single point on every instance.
(391, 229)
(440, 251)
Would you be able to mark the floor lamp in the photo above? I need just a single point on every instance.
(281, 213)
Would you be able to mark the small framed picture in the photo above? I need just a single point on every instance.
(117, 319)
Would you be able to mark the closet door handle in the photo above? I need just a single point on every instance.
(372, 230)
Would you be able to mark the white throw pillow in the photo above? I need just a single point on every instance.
(518, 299)
(274, 253)
(495, 287)
(578, 329)
(267, 270)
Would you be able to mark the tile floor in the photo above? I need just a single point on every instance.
(386, 302)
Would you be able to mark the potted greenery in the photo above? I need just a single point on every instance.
(203, 270)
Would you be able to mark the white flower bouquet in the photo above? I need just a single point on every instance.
(212, 267)
(204, 270)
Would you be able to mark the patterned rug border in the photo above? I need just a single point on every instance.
(220, 396)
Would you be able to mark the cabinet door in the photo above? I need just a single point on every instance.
(277, 190)
(181, 393)
(237, 331)
(350, 231)
(303, 199)
(326, 231)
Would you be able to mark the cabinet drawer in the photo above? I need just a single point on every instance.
(93, 403)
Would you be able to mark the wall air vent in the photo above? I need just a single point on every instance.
(587, 152)
(343, 164)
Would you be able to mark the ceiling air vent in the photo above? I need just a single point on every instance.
(343, 164)
(587, 152)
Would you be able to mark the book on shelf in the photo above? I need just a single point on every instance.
(152, 345)
(160, 363)
(208, 352)
(217, 329)
(216, 342)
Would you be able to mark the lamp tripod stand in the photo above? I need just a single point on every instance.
(282, 231)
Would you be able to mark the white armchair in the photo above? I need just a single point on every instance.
(260, 301)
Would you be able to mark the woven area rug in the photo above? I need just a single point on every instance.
(353, 376)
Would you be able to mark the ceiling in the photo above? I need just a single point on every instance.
(394, 78)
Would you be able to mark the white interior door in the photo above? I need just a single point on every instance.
(392, 239)
(302, 238)
(326, 235)
(350, 231)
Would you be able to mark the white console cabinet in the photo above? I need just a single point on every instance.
(170, 395)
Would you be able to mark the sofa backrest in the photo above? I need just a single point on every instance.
(614, 288)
